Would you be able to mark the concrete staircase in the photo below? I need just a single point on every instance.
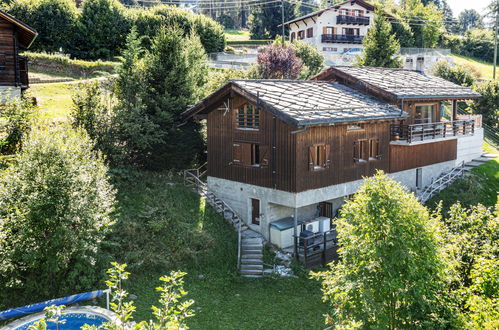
(250, 249)
(251, 255)
(446, 178)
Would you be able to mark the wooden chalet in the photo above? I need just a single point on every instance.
(14, 36)
(285, 155)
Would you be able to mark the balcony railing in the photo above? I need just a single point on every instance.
(432, 131)
(344, 19)
(342, 38)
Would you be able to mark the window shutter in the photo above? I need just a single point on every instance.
(264, 155)
(324, 30)
(236, 153)
(365, 149)
(311, 157)
(245, 153)
(327, 155)
(355, 152)
(378, 154)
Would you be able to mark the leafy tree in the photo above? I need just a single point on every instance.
(451, 25)
(278, 61)
(380, 45)
(55, 209)
(54, 20)
(101, 29)
(313, 60)
(264, 21)
(425, 22)
(469, 19)
(18, 117)
(392, 265)
(458, 74)
(488, 104)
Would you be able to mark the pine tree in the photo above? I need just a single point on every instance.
(380, 45)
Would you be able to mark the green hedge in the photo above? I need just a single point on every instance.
(249, 42)
(66, 66)
(475, 43)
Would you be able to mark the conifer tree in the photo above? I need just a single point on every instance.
(380, 45)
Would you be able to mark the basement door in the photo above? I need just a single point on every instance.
(255, 211)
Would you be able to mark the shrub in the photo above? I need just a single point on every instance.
(16, 119)
(488, 104)
(313, 60)
(101, 30)
(54, 20)
(278, 61)
(149, 22)
(55, 208)
(458, 74)
(391, 272)
(64, 65)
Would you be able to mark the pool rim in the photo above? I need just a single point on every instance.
(96, 310)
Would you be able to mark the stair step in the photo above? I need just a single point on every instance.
(251, 272)
(252, 245)
(252, 256)
(481, 159)
(473, 163)
(490, 155)
(251, 240)
(245, 267)
(249, 263)
(253, 276)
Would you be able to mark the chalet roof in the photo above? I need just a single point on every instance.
(402, 83)
(308, 102)
(361, 3)
(26, 34)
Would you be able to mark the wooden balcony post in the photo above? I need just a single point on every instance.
(454, 109)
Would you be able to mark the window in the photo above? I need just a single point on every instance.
(359, 13)
(329, 49)
(3, 61)
(310, 32)
(351, 31)
(425, 113)
(318, 157)
(373, 149)
(248, 116)
(249, 154)
(355, 127)
(301, 35)
(328, 30)
(293, 36)
(366, 150)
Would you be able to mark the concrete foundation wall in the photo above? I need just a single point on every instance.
(469, 147)
(9, 93)
(277, 204)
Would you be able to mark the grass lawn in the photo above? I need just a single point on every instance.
(482, 186)
(237, 35)
(54, 99)
(164, 227)
(484, 68)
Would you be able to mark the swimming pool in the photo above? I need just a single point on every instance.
(73, 318)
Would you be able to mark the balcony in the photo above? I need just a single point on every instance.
(432, 131)
(341, 38)
(344, 19)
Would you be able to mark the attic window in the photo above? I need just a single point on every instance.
(248, 116)
(3, 61)
(355, 127)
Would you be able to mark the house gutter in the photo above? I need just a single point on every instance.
(300, 130)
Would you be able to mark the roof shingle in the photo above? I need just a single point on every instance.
(317, 102)
(408, 83)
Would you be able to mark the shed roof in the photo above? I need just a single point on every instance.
(26, 34)
(309, 102)
(402, 83)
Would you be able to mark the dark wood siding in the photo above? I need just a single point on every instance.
(342, 168)
(403, 157)
(7, 48)
(222, 133)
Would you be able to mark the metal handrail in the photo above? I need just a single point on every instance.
(441, 182)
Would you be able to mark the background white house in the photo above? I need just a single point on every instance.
(336, 31)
